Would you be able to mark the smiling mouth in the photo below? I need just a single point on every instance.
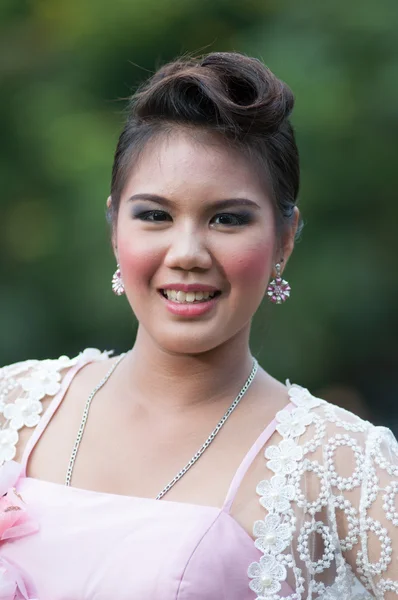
(181, 297)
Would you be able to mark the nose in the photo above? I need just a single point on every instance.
(188, 251)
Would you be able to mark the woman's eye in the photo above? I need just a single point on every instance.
(232, 219)
(157, 216)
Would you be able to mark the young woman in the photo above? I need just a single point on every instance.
(182, 469)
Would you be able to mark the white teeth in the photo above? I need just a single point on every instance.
(182, 297)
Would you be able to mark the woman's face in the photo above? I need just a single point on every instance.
(196, 243)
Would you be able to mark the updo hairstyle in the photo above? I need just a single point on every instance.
(225, 93)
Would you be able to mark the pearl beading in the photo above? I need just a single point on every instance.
(365, 448)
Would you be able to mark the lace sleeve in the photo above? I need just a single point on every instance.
(361, 462)
(26, 388)
(377, 556)
(330, 487)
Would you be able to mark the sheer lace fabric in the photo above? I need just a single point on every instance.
(327, 518)
(23, 388)
(330, 525)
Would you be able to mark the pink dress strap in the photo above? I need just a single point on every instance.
(54, 404)
(248, 460)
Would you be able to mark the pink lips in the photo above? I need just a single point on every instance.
(194, 309)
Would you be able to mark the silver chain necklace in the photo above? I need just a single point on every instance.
(195, 457)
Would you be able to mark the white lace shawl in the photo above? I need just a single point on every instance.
(328, 494)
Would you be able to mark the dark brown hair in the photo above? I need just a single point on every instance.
(226, 93)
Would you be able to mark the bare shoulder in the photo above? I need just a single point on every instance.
(26, 391)
(268, 397)
(91, 374)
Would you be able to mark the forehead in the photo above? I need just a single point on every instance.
(188, 162)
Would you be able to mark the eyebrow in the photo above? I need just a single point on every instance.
(219, 204)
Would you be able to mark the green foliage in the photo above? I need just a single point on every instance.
(65, 70)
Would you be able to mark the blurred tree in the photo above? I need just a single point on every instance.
(65, 69)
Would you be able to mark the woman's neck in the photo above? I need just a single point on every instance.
(180, 382)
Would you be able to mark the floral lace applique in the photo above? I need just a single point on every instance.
(23, 386)
(332, 516)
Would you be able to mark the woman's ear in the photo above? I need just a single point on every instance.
(113, 229)
(289, 237)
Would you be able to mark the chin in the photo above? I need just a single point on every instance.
(189, 342)
(188, 346)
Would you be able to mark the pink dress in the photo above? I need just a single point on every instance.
(327, 494)
(100, 546)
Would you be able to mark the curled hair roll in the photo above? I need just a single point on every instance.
(227, 93)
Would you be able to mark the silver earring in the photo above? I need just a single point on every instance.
(117, 282)
(278, 289)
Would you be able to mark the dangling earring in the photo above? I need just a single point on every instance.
(278, 289)
(117, 282)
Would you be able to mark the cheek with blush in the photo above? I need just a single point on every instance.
(250, 267)
(138, 264)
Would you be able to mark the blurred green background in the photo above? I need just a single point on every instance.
(65, 70)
